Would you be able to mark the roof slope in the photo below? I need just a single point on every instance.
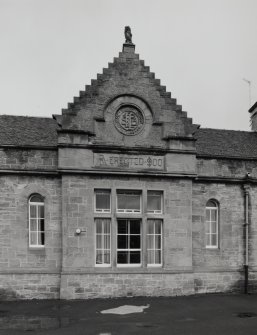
(226, 143)
(25, 130)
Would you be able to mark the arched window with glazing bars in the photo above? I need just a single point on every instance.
(36, 221)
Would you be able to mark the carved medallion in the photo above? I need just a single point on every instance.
(129, 120)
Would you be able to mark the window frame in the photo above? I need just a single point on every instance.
(208, 225)
(161, 243)
(125, 265)
(154, 212)
(104, 211)
(129, 211)
(37, 218)
(103, 265)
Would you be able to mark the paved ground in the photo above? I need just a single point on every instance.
(203, 314)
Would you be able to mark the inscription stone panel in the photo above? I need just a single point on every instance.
(105, 160)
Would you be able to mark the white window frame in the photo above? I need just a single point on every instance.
(37, 218)
(208, 233)
(131, 211)
(102, 210)
(102, 242)
(155, 211)
(129, 249)
(154, 249)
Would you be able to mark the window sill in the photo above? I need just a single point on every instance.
(36, 247)
(211, 248)
(129, 265)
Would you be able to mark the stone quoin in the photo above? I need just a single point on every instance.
(123, 195)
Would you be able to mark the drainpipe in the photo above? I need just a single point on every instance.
(246, 224)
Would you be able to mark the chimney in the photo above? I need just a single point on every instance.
(253, 113)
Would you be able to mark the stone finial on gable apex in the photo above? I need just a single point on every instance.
(128, 46)
(128, 35)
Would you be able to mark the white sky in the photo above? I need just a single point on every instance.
(200, 49)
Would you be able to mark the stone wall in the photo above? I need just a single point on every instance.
(86, 286)
(233, 168)
(29, 159)
(230, 199)
(15, 253)
(29, 286)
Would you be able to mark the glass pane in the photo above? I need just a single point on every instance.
(33, 225)
(98, 257)
(106, 241)
(106, 256)
(213, 215)
(122, 241)
(150, 257)
(134, 242)
(36, 198)
(122, 257)
(211, 204)
(150, 227)
(128, 201)
(134, 227)
(135, 257)
(102, 200)
(150, 241)
(158, 242)
(106, 223)
(98, 226)
(99, 241)
(33, 238)
(154, 201)
(33, 211)
(122, 227)
(213, 227)
(214, 240)
(158, 257)
(41, 238)
(158, 226)
(41, 212)
(41, 224)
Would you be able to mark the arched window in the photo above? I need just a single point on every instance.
(211, 225)
(36, 221)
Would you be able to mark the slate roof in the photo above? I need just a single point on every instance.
(27, 131)
(226, 143)
(39, 131)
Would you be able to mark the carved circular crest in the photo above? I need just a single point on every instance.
(129, 120)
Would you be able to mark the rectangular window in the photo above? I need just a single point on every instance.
(103, 242)
(154, 242)
(154, 202)
(129, 243)
(211, 227)
(128, 201)
(102, 201)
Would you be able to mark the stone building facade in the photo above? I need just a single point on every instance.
(122, 195)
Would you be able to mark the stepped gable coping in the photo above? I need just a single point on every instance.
(129, 53)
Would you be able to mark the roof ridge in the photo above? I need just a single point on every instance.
(220, 129)
(27, 116)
